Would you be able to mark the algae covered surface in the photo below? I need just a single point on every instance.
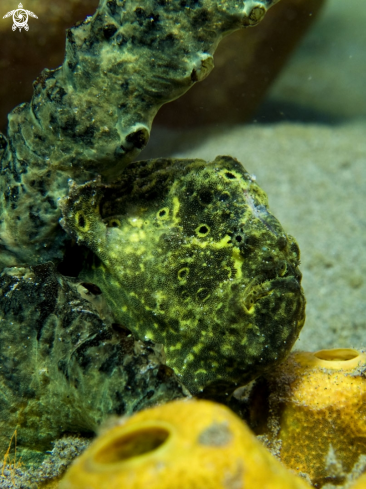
(71, 366)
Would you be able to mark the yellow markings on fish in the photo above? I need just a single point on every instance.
(176, 206)
(238, 262)
(135, 222)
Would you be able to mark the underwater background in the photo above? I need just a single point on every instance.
(302, 138)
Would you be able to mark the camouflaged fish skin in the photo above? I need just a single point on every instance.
(64, 365)
(93, 114)
(188, 255)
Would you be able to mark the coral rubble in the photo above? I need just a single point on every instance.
(154, 449)
(314, 407)
(188, 255)
(62, 367)
(93, 114)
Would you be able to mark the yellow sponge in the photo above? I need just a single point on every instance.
(180, 445)
(316, 412)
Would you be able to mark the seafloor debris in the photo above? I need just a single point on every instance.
(314, 406)
(62, 367)
(16, 475)
(93, 114)
(188, 255)
(158, 449)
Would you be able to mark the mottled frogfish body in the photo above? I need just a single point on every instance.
(188, 255)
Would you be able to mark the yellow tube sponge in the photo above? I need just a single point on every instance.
(180, 445)
(316, 411)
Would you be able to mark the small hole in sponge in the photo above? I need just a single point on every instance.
(132, 445)
(81, 221)
(337, 354)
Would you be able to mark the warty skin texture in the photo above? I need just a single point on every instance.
(188, 255)
(93, 114)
